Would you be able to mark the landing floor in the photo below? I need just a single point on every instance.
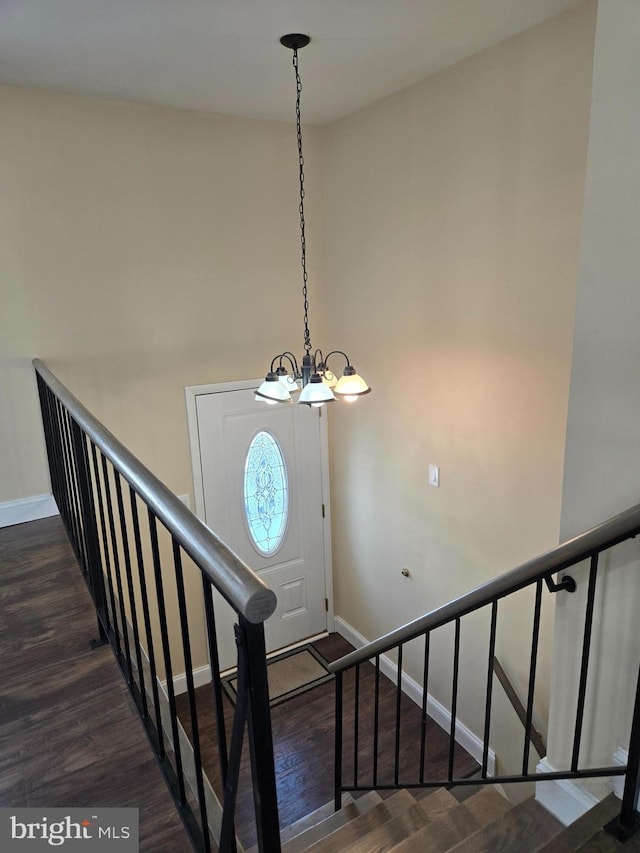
(69, 733)
(303, 736)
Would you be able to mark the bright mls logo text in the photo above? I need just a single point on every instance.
(57, 832)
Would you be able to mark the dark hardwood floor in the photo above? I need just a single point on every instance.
(69, 733)
(303, 733)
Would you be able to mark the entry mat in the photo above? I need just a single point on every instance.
(289, 674)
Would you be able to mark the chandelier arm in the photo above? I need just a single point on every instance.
(292, 361)
(338, 352)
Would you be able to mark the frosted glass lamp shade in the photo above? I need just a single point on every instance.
(315, 392)
(273, 391)
(351, 385)
(288, 382)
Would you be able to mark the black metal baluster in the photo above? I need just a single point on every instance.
(454, 699)
(63, 504)
(584, 666)
(487, 711)
(56, 475)
(92, 545)
(356, 724)
(65, 509)
(214, 658)
(48, 434)
(54, 408)
(166, 651)
(396, 770)
(425, 695)
(73, 507)
(240, 716)
(147, 621)
(376, 720)
(532, 678)
(80, 472)
(191, 691)
(116, 569)
(105, 551)
(131, 593)
(337, 763)
(265, 798)
(75, 498)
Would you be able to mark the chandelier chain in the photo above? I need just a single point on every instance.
(303, 241)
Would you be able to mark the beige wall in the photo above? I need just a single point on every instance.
(453, 218)
(602, 469)
(142, 250)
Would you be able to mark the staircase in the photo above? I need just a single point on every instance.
(453, 821)
(92, 474)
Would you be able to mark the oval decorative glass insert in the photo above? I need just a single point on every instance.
(266, 493)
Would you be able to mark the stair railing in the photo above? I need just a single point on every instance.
(358, 768)
(130, 534)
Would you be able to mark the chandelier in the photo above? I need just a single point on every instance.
(312, 381)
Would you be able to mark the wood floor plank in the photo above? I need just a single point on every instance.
(69, 732)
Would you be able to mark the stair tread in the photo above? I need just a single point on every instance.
(487, 805)
(353, 831)
(464, 820)
(579, 832)
(524, 827)
(310, 819)
(324, 821)
(420, 794)
(388, 835)
(602, 842)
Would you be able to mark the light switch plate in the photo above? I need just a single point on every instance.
(434, 476)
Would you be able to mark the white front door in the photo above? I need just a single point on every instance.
(261, 469)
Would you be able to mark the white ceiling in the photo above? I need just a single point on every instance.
(224, 56)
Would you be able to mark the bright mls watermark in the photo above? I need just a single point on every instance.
(82, 830)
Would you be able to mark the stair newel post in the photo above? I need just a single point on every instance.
(338, 745)
(628, 823)
(261, 740)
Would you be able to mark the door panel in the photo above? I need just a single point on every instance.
(227, 424)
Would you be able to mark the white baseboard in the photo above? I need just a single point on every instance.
(201, 675)
(564, 798)
(467, 739)
(621, 757)
(27, 509)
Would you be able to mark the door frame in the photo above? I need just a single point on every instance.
(192, 392)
